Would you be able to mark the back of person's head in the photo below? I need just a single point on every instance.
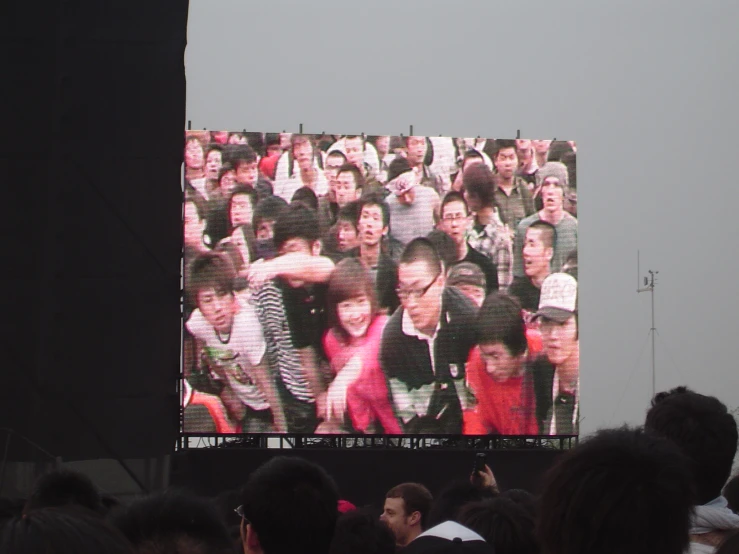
(703, 429)
(623, 490)
(731, 493)
(66, 530)
(525, 499)
(451, 499)
(730, 544)
(268, 209)
(358, 532)
(174, 522)
(416, 498)
(297, 221)
(503, 523)
(479, 181)
(305, 196)
(291, 505)
(445, 247)
(63, 487)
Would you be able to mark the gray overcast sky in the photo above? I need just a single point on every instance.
(647, 88)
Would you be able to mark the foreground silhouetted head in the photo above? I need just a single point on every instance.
(61, 488)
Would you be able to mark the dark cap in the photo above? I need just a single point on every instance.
(466, 273)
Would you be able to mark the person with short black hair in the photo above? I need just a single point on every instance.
(417, 155)
(354, 149)
(233, 345)
(289, 505)
(290, 302)
(328, 208)
(298, 167)
(621, 490)
(358, 532)
(455, 221)
(498, 374)
(426, 343)
(703, 428)
(305, 196)
(174, 522)
(537, 253)
(213, 162)
(456, 494)
(511, 193)
(527, 166)
(505, 525)
(57, 531)
(406, 511)
(349, 184)
(265, 214)
(63, 487)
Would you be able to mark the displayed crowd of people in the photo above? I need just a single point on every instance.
(394, 285)
(664, 487)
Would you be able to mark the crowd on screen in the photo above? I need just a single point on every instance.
(351, 284)
(662, 488)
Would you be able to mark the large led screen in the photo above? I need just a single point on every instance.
(349, 284)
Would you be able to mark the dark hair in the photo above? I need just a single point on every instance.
(336, 153)
(504, 524)
(210, 270)
(374, 200)
(421, 249)
(241, 189)
(453, 196)
(214, 148)
(472, 153)
(244, 155)
(225, 168)
(306, 197)
(451, 499)
(548, 232)
(63, 487)
(503, 144)
(623, 490)
(354, 170)
(174, 522)
(268, 209)
(358, 532)
(500, 321)
(416, 498)
(291, 504)
(350, 212)
(445, 247)
(704, 429)
(731, 493)
(296, 221)
(525, 499)
(56, 531)
(271, 139)
(349, 279)
(730, 544)
(479, 181)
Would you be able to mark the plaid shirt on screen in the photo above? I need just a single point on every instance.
(494, 241)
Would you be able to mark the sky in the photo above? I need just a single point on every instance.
(647, 89)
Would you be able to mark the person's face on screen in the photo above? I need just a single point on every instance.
(541, 146)
(559, 339)
(303, 153)
(536, 255)
(241, 210)
(194, 226)
(247, 173)
(419, 290)
(500, 364)
(194, 154)
(371, 228)
(523, 150)
(227, 182)
(331, 171)
(416, 150)
(213, 164)
(346, 188)
(506, 162)
(552, 194)
(382, 145)
(218, 308)
(455, 221)
(474, 293)
(346, 235)
(265, 229)
(355, 315)
(354, 148)
(393, 514)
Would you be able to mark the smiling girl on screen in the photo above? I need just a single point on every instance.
(352, 346)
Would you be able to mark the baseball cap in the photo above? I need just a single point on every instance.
(448, 538)
(558, 300)
(466, 273)
(399, 177)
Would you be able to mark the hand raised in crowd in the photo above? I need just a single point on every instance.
(484, 479)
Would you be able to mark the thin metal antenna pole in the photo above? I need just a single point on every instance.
(649, 287)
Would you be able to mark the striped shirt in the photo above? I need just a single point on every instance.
(282, 355)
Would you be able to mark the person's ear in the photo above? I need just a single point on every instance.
(549, 253)
(414, 518)
(250, 540)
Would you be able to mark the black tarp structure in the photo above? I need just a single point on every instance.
(90, 162)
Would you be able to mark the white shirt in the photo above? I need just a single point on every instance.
(555, 393)
(410, 330)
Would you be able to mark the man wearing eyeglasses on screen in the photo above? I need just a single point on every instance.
(425, 345)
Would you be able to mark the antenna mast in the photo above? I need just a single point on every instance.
(649, 283)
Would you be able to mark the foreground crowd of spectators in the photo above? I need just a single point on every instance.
(351, 284)
(656, 489)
